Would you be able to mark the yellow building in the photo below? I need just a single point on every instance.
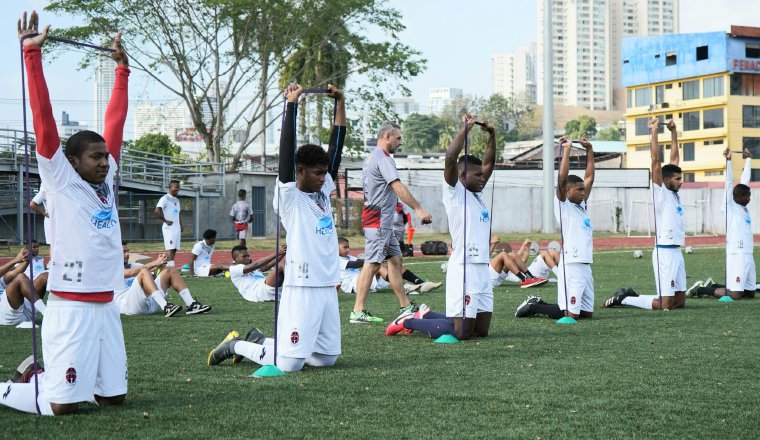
(709, 84)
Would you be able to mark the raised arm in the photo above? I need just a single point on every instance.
(654, 150)
(338, 135)
(116, 113)
(747, 171)
(160, 261)
(265, 263)
(675, 158)
(729, 175)
(287, 170)
(450, 169)
(564, 168)
(8, 267)
(489, 156)
(588, 178)
(45, 131)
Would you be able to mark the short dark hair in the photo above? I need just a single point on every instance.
(670, 170)
(80, 141)
(342, 240)
(238, 248)
(174, 182)
(469, 159)
(572, 179)
(123, 243)
(241, 193)
(741, 190)
(311, 155)
(209, 233)
(35, 242)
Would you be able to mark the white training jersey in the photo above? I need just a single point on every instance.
(739, 237)
(577, 233)
(87, 255)
(345, 272)
(478, 224)
(41, 198)
(203, 253)
(170, 205)
(244, 281)
(127, 281)
(312, 259)
(671, 224)
(38, 264)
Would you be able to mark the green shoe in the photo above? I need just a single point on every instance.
(364, 317)
(411, 308)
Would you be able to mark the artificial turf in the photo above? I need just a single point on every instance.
(627, 373)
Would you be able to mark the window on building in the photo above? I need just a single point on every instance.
(690, 121)
(713, 142)
(668, 86)
(644, 148)
(688, 177)
(702, 53)
(659, 94)
(643, 96)
(662, 153)
(755, 175)
(690, 89)
(713, 173)
(688, 151)
(713, 87)
(751, 116)
(745, 84)
(713, 118)
(642, 126)
(752, 144)
(670, 59)
(752, 50)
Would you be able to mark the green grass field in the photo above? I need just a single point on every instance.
(626, 374)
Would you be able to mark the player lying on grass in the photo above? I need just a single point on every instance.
(575, 282)
(463, 181)
(141, 294)
(16, 297)
(82, 339)
(667, 259)
(350, 268)
(308, 321)
(248, 276)
(509, 265)
(200, 262)
(426, 321)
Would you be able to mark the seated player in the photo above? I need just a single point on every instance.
(248, 276)
(510, 266)
(40, 206)
(424, 320)
(37, 265)
(200, 262)
(350, 268)
(144, 295)
(16, 299)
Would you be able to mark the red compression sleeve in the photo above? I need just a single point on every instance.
(45, 130)
(116, 113)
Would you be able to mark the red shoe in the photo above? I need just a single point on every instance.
(397, 325)
(533, 282)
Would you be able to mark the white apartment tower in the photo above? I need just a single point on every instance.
(105, 76)
(439, 98)
(169, 119)
(586, 41)
(514, 73)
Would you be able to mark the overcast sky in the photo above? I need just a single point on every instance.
(457, 38)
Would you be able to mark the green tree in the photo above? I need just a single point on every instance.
(224, 58)
(584, 125)
(608, 134)
(156, 143)
(421, 133)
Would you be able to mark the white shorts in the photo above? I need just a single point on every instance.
(259, 292)
(48, 234)
(202, 270)
(308, 322)
(83, 348)
(348, 284)
(172, 236)
(539, 267)
(479, 296)
(740, 272)
(496, 277)
(672, 271)
(134, 302)
(10, 316)
(580, 287)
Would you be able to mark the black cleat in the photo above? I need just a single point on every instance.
(524, 309)
(171, 310)
(616, 300)
(253, 335)
(224, 349)
(196, 308)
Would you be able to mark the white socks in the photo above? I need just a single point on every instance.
(641, 301)
(40, 306)
(158, 297)
(170, 263)
(186, 297)
(261, 354)
(20, 396)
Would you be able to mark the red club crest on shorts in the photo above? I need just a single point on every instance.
(71, 376)
(572, 300)
(738, 279)
(467, 299)
(294, 338)
(672, 283)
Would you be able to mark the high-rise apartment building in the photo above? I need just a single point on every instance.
(439, 98)
(170, 119)
(105, 76)
(514, 73)
(586, 45)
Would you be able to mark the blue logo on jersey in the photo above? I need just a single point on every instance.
(325, 226)
(679, 209)
(484, 216)
(176, 210)
(128, 282)
(586, 223)
(748, 220)
(103, 219)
